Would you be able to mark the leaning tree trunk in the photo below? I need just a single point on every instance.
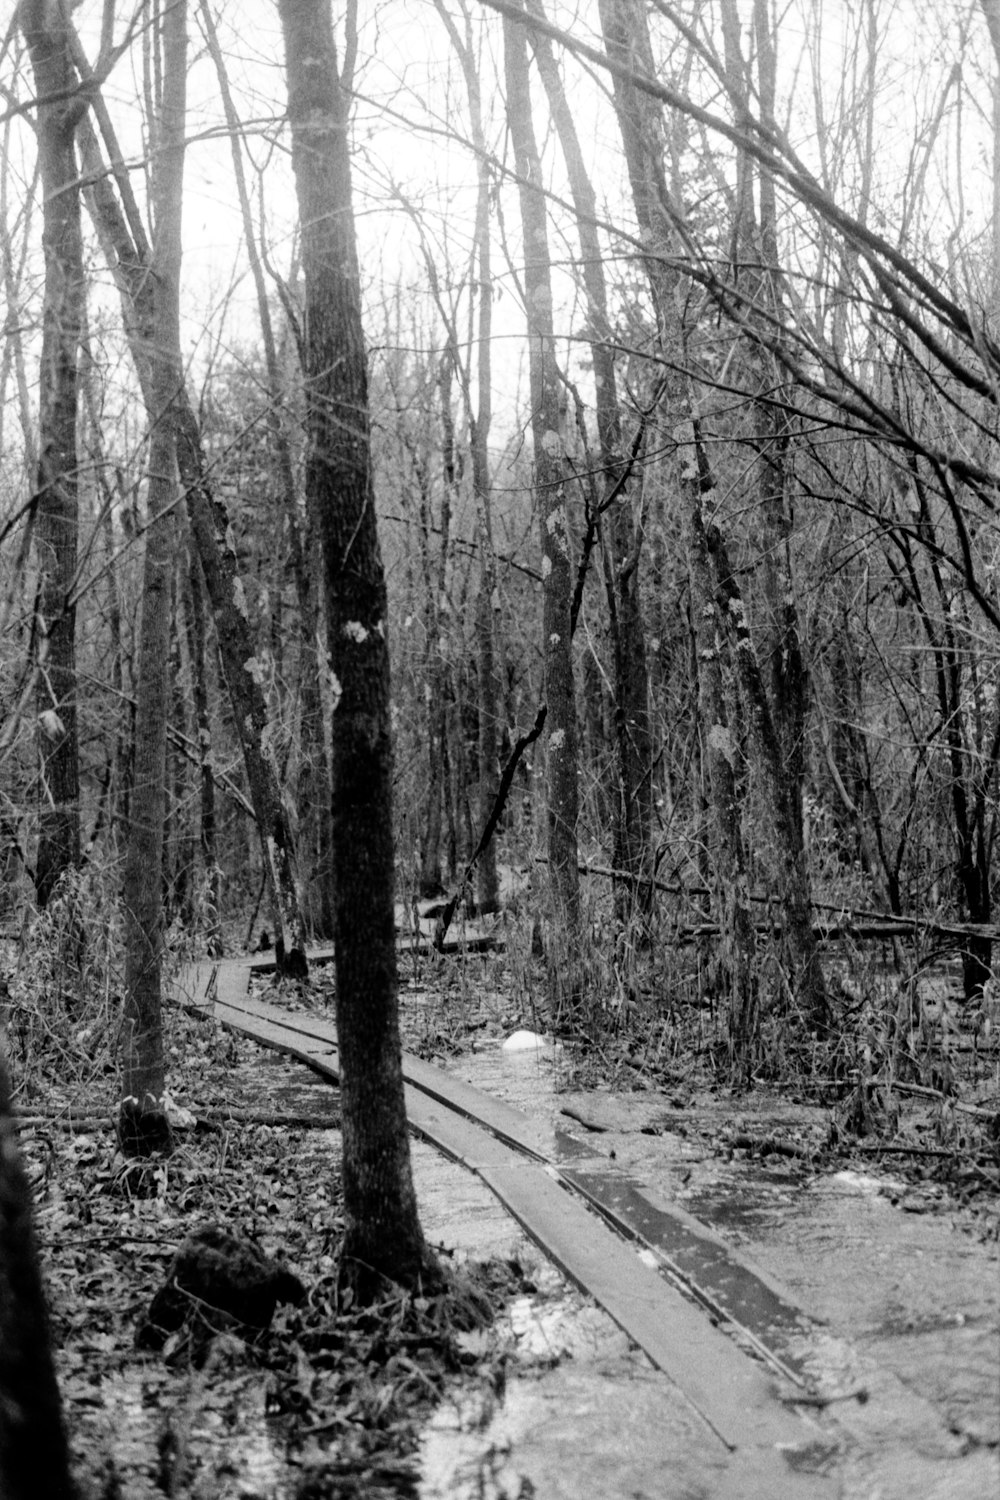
(143, 1124)
(382, 1228)
(547, 427)
(123, 242)
(56, 517)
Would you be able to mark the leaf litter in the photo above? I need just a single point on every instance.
(329, 1400)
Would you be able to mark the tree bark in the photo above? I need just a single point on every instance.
(143, 1124)
(382, 1228)
(804, 978)
(47, 35)
(627, 40)
(124, 244)
(634, 803)
(34, 1458)
(737, 970)
(207, 823)
(547, 431)
(755, 271)
(313, 799)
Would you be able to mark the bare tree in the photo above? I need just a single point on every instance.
(143, 1123)
(124, 242)
(632, 851)
(548, 442)
(313, 799)
(47, 34)
(382, 1231)
(480, 420)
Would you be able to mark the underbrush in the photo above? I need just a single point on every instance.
(906, 1069)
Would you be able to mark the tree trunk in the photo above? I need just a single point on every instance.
(124, 244)
(34, 1459)
(207, 830)
(143, 1124)
(627, 40)
(382, 1229)
(804, 977)
(737, 971)
(313, 800)
(633, 813)
(547, 431)
(47, 37)
(755, 273)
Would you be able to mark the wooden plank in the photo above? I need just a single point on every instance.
(689, 1252)
(507, 1123)
(232, 983)
(731, 1393)
(195, 984)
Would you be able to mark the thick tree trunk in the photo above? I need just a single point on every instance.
(34, 1460)
(47, 35)
(143, 1124)
(547, 431)
(382, 1229)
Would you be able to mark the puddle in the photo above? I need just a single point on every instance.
(216, 1442)
(582, 1414)
(458, 1211)
(525, 1080)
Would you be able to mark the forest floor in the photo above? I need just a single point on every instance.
(403, 1401)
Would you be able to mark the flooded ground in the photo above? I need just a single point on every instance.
(901, 1289)
(583, 1413)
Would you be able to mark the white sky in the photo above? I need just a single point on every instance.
(406, 74)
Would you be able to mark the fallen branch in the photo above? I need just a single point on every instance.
(854, 921)
(920, 1151)
(768, 1145)
(918, 1091)
(87, 1124)
(580, 1119)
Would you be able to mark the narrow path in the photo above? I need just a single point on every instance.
(657, 1276)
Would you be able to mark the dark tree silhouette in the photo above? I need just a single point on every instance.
(383, 1233)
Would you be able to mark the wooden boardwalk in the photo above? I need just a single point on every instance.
(665, 1279)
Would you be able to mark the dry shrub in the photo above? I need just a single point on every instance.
(63, 1008)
